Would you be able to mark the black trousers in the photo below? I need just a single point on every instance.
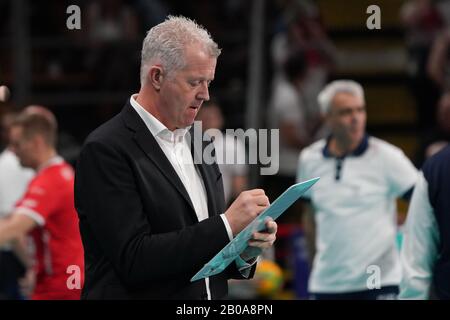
(11, 270)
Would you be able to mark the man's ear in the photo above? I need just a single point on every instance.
(155, 75)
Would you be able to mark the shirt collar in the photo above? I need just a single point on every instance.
(156, 127)
(359, 151)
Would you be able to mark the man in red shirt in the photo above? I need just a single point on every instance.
(46, 211)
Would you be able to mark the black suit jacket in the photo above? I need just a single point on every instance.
(141, 235)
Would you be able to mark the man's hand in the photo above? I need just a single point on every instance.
(248, 205)
(260, 241)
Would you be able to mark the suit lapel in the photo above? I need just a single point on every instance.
(208, 179)
(151, 148)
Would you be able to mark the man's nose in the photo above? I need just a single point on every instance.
(203, 94)
(356, 116)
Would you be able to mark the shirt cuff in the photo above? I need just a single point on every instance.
(227, 226)
(243, 266)
(38, 218)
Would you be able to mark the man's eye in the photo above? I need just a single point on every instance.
(194, 83)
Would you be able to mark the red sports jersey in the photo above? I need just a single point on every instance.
(49, 200)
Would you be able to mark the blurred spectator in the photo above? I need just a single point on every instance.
(46, 211)
(112, 27)
(439, 136)
(425, 253)
(287, 112)
(444, 8)
(68, 147)
(439, 62)
(111, 21)
(350, 219)
(6, 117)
(13, 182)
(228, 147)
(151, 12)
(304, 32)
(422, 21)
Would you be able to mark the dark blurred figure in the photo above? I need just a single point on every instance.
(439, 61)
(151, 12)
(6, 116)
(304, 31)
(288, 113)
(13, 182)
(227, 147)
(112, 30)
(425, 251)
(439, 136)
(422, 21)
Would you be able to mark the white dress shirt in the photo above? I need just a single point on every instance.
(420, 245)
(175, 146)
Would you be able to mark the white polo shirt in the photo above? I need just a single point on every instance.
(355, 213)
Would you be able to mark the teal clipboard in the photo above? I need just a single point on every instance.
(233, 249)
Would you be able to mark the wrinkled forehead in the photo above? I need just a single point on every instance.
(347, 99)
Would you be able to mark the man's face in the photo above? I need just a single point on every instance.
(183, 92)
(22, 147)
(347, 117)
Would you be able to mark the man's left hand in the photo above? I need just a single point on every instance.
(260, 241)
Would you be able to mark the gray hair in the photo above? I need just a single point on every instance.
(327, 94)
(165, 43)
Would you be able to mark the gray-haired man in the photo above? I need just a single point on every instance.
(149, 217)
(352, 210)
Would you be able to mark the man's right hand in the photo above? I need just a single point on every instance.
(247, 206)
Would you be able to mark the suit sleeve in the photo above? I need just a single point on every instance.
(108, 199)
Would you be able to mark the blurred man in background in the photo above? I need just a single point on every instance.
(288, 113)
(425, 251)
(423, 21)
(13, 182)
(230, 151)
(351, 215)
(46, 211)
